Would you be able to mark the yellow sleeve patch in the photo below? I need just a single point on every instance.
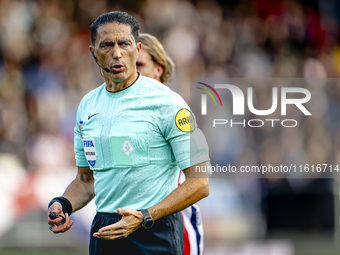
(185, 121)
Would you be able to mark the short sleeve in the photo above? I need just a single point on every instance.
(178, 126)
(78, 143)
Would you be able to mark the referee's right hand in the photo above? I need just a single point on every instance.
(57, 208)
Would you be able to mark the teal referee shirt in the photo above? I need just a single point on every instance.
(136, 141)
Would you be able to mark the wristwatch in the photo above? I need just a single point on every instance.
(148, 220)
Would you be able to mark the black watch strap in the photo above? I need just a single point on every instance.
(148, 220)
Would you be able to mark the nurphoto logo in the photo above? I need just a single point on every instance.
(238, 106)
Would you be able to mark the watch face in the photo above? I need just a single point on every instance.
(148, 223)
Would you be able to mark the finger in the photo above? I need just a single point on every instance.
(62, 228)
(124, 211)
(105, 229)
(69, 225)
(128, 212)
(55, 221)
(68, 222)
(111, 235)
(112, 227)
(106, 233)
(67, 218)
(57, 229)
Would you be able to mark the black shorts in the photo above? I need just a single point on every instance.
(165, 237)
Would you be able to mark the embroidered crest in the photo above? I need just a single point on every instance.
(127, 148)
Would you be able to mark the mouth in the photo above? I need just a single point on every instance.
(117, 68)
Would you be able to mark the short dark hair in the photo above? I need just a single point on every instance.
(115, 17)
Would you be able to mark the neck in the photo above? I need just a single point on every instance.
(114, 86)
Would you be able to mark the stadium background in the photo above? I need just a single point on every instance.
(46, 68)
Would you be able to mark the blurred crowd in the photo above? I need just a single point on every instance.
(46, 68)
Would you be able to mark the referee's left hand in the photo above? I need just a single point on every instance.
(130, 222)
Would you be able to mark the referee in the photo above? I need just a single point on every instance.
(133, 136)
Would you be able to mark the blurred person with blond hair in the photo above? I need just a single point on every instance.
(155, 63)
(131, 141)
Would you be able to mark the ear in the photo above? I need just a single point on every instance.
(158, 72)
(92, 53)
(91, 47)
(139, 48)
(92, 50)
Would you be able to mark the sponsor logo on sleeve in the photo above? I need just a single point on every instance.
(185, 120)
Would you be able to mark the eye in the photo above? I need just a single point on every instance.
(106, 45)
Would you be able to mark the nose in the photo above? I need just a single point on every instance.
(116, 54)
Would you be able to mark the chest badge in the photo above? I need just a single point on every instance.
(127, 148)
(90, 151)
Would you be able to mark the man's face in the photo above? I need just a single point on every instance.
(115, 48)
(147, 67)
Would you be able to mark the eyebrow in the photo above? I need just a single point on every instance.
(106, 42)
(124, 40)
(109, 42)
